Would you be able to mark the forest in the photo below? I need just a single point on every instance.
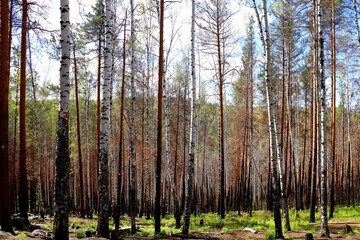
(201, 119)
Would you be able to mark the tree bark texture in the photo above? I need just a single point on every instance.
(323, 145)
(103, 181)
(62, 164)
(264, 35)
(132, 200)
(23, 183)
(4, 118)
(159, 122)
(190, 173)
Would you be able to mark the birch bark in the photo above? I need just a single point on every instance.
(323, 145)
(189, 188)
(62, 165)
(103, 181)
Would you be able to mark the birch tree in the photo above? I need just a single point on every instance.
(62, 164)
(103, 181)
(190, 177)
(264, 35)
(5, 216)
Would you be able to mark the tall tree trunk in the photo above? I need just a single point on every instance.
(221, 103)
(333, 109)
(264, 35)
(82, 212)
(171, 175)
(314, 142)
(132, 199)
(190, 175)
(121, 137)
(103, 181)
(159, 121)
(98, 109)
(23, 183)
(323, 145)
(62, 165)
(5, 216)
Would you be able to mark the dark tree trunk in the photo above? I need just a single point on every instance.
(82, 212)
(159, 122)
(120, 167)
(5, 216)
(23, 183)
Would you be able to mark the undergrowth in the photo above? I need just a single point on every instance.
(260, 220)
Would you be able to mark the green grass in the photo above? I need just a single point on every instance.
(260, 221)
(21, 235)
(80, 233)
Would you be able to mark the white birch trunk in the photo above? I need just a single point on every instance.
(189, 188)
(273, 139)
(323, 148)
(62, 166)
(103, 181)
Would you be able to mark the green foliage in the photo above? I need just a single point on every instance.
(269, 235)
(80, 233)
(21, 235)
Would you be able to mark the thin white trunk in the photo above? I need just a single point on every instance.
(323, 148)
(103, 181)
(189, 188)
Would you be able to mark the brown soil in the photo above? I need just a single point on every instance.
(335, 229)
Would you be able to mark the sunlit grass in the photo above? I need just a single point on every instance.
(261, 220)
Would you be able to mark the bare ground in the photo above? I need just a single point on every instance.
(337, 231)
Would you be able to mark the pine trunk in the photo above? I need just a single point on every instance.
(23, 183)
(5, 216)
(81, 182)
(132, 199)
(333, 109)
(121, 137)
(159, 122)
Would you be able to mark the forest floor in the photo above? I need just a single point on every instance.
(211, 226)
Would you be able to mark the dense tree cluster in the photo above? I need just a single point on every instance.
(265, 119)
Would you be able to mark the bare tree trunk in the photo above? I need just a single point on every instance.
(103, 181)
(98, 109)
(121, 137)
(132, 199)
(159, 121)
(264, 35)
(314, 142)
(62, 166)
(82, 212)
(190, 181)
(333, 109)
(5, 216)
(23, 183)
